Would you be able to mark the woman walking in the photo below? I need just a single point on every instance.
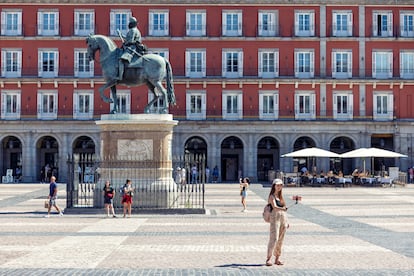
(244, 185)
(278, 222)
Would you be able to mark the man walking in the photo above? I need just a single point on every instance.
(53, 189)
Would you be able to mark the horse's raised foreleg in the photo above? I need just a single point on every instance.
(102, 89)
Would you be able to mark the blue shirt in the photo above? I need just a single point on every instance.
(52, 188)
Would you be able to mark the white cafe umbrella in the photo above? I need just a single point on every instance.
(371, 152)
(311, 152)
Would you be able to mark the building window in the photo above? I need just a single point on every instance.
(305, 105)
(268, 105)
(341, 64)
(160, 51)
(119, 21)
(11, 22)
(48, 23)
(47, 105)
(196, 23)
(195, 60)
(83, 66)
(382, 24)
(232, 23)
(407, 65)
(342, 23)
(10, 105)
(407, 24)
(158, 23)
(232, 66)
(343, 105)
(196, 105)
(84, 22)
(305, 23)
(382, 65)
(124, 101)
(268, 63)
(304, 64)
(268, 23)
(11, 60)
(232, 105)
(83, 105)
(48, 63)
(383, 106)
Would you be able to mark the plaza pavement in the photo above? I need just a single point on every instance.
(344, 231)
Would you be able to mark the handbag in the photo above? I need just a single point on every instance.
(266, 212)
(47, 204)
(109, 195)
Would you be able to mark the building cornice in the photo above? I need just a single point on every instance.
(212, 2)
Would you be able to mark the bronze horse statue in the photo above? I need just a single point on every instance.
(149, 69)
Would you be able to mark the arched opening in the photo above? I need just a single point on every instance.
(84, 148)
(303, 162)
(231, 159)
(12, 159)
(341, 145)
(267, 158)
(194, 159)
(47, 158)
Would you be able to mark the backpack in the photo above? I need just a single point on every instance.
(266, 212)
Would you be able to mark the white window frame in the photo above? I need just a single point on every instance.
(266, 111)
(341, 28)
(11, 63)
(160, 51)
(119, 21)
(124, 99)
(40, 21)
(268, 23)
(266, 63)
(6, 110)
(48, 74)
(193, 111)
(51, 113)
(339, 114)
(78, 111)
(386, 31)
(196, 23)
(308, 112)
(407, 64)
(348, 64)
(225, 56)
(384, 110)
(233, 29)
(301, 70)
(82, 26)
(302, 29)
(86, 63)
(11, 28)
(195, 63)
(407, 30)
(384, 59)
(160, 28)
(236, 98)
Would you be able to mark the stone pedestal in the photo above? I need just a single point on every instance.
(138, 147)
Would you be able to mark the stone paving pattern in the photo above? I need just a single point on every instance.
(345, 231)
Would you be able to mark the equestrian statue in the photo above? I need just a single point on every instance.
(131, 65)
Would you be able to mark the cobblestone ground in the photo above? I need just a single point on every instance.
(347, 231)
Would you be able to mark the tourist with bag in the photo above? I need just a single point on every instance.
(278, 222)
(127, 194)
(109, 194)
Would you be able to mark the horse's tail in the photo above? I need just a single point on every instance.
(170, 85)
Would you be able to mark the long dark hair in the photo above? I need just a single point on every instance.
(279, 194)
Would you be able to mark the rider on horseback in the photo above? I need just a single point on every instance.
(132, 45)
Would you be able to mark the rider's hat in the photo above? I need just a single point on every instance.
(133, 20)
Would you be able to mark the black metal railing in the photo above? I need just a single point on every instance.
(156, 188)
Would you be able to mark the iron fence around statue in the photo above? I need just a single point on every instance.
(179, 189)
